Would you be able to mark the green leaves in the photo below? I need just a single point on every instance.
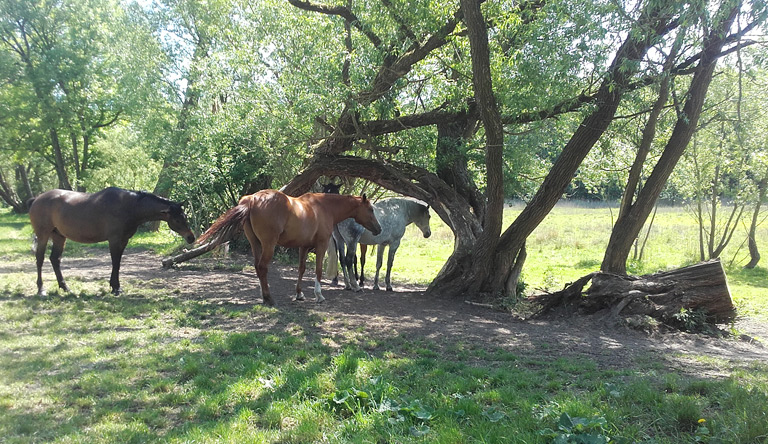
(575, 430)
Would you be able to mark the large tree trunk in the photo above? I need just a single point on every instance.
(629, 224)
(754, 253)
(698, 293)
(482, 263)
(452, 280)
(649, 132)
(9, 195)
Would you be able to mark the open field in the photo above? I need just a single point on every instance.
(190, 355)
(571, 241)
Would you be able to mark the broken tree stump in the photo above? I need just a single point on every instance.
(701, 287)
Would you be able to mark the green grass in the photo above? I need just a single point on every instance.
(103, 369)
(154, 367)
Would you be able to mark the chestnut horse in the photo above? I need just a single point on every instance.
(271, 218)
(112, 215)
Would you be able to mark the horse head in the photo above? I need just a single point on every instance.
(177, 221)
(365, 217)
(331, 188)
(422, 219)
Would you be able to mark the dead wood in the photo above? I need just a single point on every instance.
(700, 288)
(189, 254)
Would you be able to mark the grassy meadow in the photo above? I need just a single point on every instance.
(571, 241)
(152, 367)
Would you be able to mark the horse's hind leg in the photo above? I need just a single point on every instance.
(260, 261)
(56, 250)
(41, 245)
(116, 250)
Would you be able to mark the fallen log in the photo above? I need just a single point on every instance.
(189, 254)
(700, 288)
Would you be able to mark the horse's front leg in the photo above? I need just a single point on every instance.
(319, 253)
(41, 245)
(379, 260)
(348, 270)
(57, 248)
(342, 258)
(390, 260)
(116, 249)
(363, 251)
(303, 251)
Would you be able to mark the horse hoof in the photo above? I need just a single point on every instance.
(319, 299)
(390, 289)
(358, 290)
(42, 293)
(299, 297)
(117, 292)
(335, 281)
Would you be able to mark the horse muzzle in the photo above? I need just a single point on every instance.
(189, 237)
(427, 234)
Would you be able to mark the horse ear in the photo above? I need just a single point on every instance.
(365, 199)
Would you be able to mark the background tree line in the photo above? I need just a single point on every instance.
(462, 104)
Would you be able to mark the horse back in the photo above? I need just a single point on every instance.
(81, 217)
(290, 221)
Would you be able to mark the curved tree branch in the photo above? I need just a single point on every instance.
(401, 177)
(342, 12)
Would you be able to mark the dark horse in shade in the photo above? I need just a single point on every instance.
(112, 215)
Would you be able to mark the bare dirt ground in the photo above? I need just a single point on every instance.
(408, 312)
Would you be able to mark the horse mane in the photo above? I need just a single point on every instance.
(146, 194)
(140, 195)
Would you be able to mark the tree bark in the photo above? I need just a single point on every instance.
(628, 226)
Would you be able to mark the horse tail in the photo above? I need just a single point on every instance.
(227, 226)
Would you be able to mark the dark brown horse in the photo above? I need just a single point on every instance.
(271, 218)
(112, 214)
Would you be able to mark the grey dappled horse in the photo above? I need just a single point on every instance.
(394, 215)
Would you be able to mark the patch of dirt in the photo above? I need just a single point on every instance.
(408, 312)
